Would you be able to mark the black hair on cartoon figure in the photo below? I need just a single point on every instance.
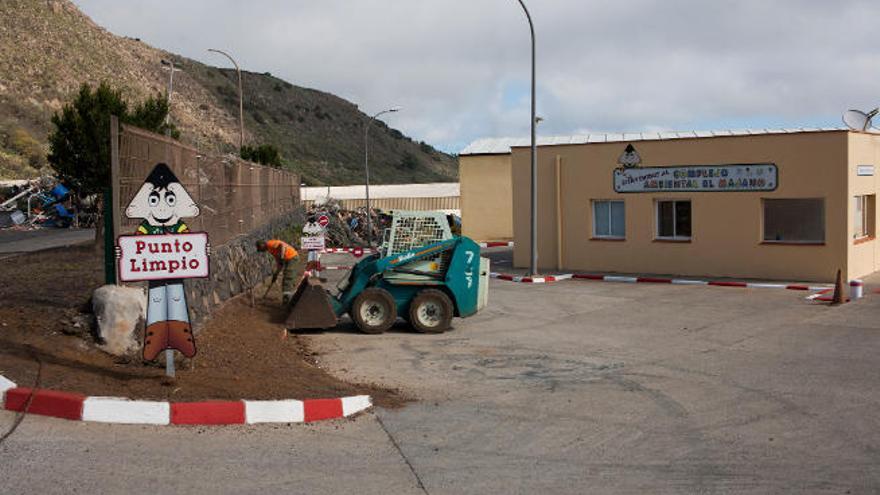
(162, 200)
(161, 176)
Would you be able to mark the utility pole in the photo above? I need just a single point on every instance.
(240, 98)
(169, 66)
(367, 170)
(533, 259)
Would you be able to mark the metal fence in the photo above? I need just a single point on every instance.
(234, 196)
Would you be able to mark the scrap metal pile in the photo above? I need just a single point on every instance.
(348, 228)
(43, 202)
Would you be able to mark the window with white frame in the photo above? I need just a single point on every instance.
(674, 220)
(800, 220)
(609, 219)
(863, 216)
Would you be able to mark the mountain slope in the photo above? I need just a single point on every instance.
(48, 48)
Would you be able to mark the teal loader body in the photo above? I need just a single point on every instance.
(427, 286)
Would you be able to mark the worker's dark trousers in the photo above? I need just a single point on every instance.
(288, 284)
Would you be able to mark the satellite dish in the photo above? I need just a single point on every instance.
(858, 120)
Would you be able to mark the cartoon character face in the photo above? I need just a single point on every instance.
(630, 157)
(162, 201)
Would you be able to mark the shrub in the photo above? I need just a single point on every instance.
(265, 154)
(80, 141)
(28, 147)
(409, 161)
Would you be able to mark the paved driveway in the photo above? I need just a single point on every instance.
(574, 387)
(14, 242)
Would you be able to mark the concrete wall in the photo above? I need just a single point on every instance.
(864, 254)
(726, 226)
(486, 197)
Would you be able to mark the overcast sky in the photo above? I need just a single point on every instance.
(460, 68)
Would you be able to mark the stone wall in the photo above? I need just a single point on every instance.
(235, 267)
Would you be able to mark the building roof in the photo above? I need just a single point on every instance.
(499, 146)
(431, 190)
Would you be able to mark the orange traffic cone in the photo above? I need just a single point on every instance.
(838, 297)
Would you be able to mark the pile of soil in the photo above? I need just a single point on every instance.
(244, 352)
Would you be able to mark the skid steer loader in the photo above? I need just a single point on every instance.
(422, 273)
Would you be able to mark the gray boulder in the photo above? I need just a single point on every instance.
(118, 311)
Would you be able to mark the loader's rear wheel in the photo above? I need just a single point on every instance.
(430, 311)
(374, 310)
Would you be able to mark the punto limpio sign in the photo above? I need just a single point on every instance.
(697, 178)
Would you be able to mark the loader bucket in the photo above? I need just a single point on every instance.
(310, 307)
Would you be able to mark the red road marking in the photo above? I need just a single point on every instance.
(207, 413)
(728, 284)
(46, 402)
(317, 409)
(654, 280)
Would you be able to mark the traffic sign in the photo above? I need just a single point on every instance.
(323, 220)
(312, 243)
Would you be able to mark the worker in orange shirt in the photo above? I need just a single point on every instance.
(284, 255)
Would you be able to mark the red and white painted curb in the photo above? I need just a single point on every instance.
(491, 244)
(530, 280)
(654, 280)
(360, 251)
(79, 407)
(356, 251)
(321, 267)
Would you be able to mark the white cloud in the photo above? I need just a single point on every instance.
(603, 65)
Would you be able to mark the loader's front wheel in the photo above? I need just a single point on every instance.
(430, 311)
(374, 310)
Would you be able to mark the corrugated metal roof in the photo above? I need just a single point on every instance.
(430, 190)
(495, 146)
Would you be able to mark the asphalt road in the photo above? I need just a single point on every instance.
(574, 387)
(13, 242)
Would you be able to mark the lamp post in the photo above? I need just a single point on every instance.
(367, 169)
(169, 66)
(240, 99)
(533, 259)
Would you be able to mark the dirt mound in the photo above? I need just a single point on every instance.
(243, 350)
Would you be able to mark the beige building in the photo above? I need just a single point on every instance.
(789, 204)
(486, 193)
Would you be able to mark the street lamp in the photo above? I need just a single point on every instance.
(533, 260)
(367, 170)
(240, 101)
(169, 66)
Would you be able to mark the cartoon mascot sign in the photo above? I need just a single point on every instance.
(164, 252)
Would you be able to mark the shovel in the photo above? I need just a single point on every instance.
(271, 284)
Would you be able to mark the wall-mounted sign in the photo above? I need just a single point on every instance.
(698, 178)
(865, 170)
